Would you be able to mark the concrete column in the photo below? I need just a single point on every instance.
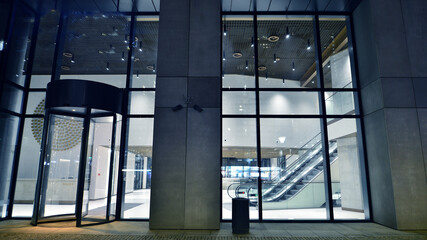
(392, 55)
(185, 191)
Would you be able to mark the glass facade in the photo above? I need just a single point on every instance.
(303, 157)
(291, 137)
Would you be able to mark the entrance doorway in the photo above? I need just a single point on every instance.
(77, 178)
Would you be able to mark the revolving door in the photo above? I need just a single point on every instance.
(77, 177)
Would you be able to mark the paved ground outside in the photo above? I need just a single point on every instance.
(129, 230)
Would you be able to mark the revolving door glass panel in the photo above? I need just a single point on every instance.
(97, 177)
(78, 167)
(61, 164)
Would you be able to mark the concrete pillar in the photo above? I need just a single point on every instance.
(187, 143)
(392, 55)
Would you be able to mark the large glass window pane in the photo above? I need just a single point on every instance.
(145, 52)
(292, 172)
(335, 54)
(45, 48)
(19, 46)
(28, 166)
(238, 66)
(137, 171)
(8, 134)
(96, 49)
(239, 164)
(346, 179)
(35, 104)
(11, 98)
(238, 102)
(341, 103)
(289, 103)
(286, 54)
(141, 102)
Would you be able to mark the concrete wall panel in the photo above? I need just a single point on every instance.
(382, 198)
(388, 29)
(205, 92)
(205, 38)
(407, 167)
(398, 92)
(415, 20)
(420, 89)
(364, 40)
(173, 38)
(372, 97)
(168, 170)
(202, 194)
(171, 91)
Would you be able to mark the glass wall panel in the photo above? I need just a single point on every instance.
(45, 48)
(289, 102)
(11, 98)
(142, 102)
(62, 160)
(347, 194)
(145, 52)
(286, 54)
(8, 135)
(238, 66)
(97, 172)
(19, 46)
(238, 102)
(335, 54)
(137, 171)
(35, 104)
(28, 166)
(239, 164)
(96, 48)
(341, 103)
(292, 169)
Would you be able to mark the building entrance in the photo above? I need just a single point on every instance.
(77, 178)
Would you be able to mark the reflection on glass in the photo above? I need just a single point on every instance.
(19, 46)
(45, 48)
(58, 196)
(335, 54)
(96, 49)
(339, 103)
(346, 176)
(238, 52)
(11, 98)
(286, 54)
(145, 52)
(238, 102)
(137, 170)
(8, 134)
(292, 173)
(239, 168)
(27, 169)
(141, 102)
(289, 102)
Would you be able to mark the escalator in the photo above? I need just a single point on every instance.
(299, 174)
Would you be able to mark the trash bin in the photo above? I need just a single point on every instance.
(240, 215)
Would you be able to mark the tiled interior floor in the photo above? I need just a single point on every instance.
(21, 229)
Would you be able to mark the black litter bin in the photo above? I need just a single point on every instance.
(240, 215)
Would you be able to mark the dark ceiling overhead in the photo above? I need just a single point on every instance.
(289, 5)
(102, 6)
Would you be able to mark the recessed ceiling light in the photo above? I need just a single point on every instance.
(273, 38)
(65, 68)
(262, 68)
(237, 55)
(67, 54)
